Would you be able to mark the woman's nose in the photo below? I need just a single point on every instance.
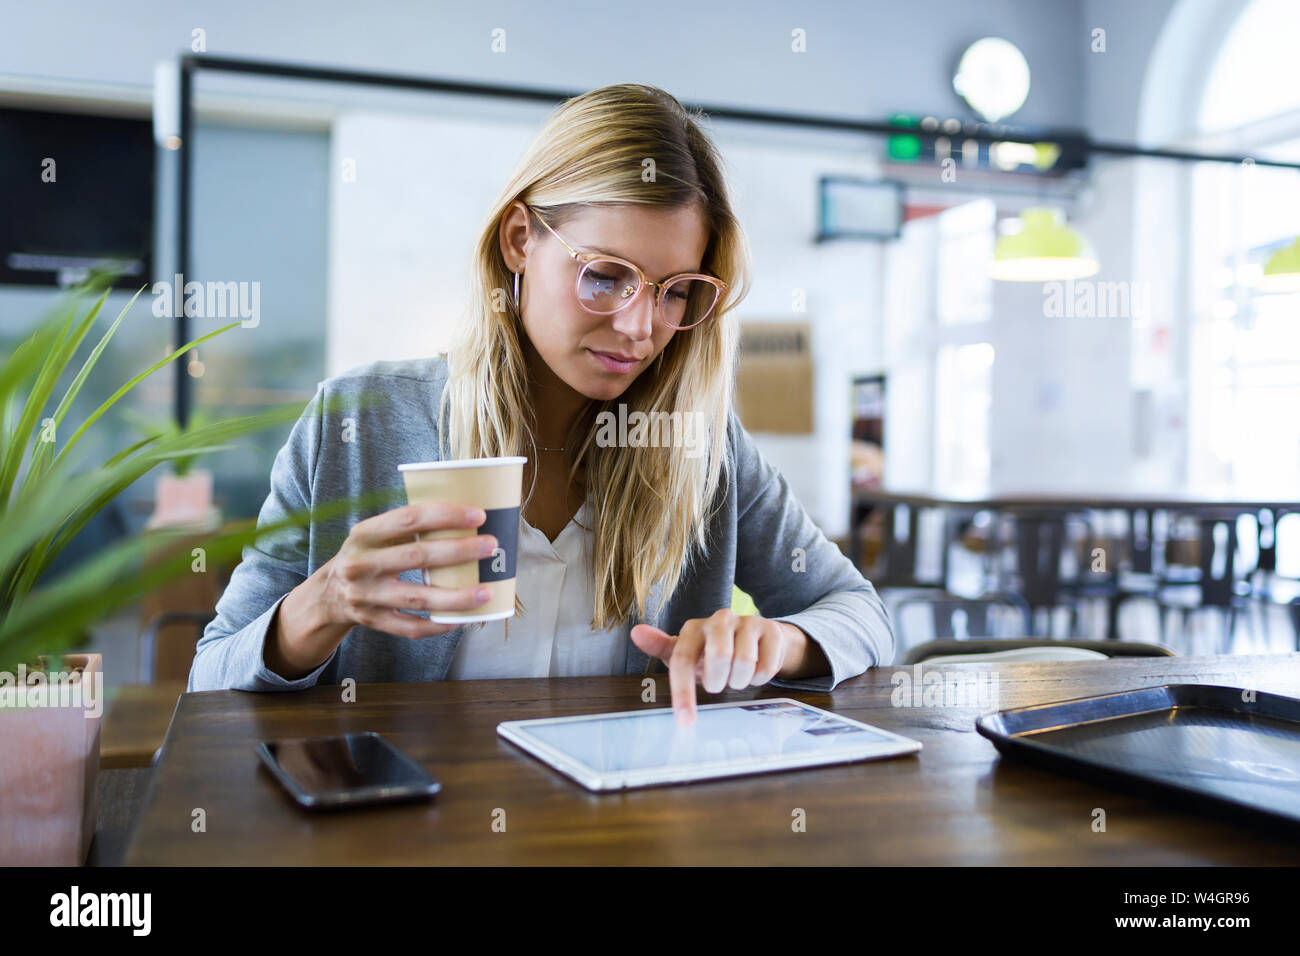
(637, 320)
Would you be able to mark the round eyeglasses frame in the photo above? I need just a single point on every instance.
(585, 259)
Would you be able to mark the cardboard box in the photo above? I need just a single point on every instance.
(774, 377)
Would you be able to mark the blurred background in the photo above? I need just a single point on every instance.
(1025, 328)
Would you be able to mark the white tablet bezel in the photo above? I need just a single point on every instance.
(518, 733)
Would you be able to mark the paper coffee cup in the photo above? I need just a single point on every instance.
(495, 485)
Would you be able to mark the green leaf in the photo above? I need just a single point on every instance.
(126, 472)
(47, 505)
(26, 359)
(61, 506)
(112, 399)
(127, 452)
(42, 513)
(112, 579)
(47, 375)
(43, 553)
(40, 456)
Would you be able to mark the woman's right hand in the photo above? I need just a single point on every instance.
(360, 585)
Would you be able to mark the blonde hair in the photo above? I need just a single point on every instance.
(650, 505)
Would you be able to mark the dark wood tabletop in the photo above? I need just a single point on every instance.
(135, 723)
(957, 802)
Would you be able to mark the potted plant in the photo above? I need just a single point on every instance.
(182, 493)
(51, 701)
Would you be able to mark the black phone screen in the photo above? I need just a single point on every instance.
(353, 768)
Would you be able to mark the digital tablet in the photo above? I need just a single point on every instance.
(645, 748)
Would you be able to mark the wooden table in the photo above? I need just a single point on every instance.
(135, 723)
(955, 803)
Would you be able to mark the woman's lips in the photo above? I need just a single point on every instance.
(613, 364)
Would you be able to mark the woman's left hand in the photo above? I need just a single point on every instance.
(726, 649)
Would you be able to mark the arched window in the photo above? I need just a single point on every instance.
(1253, 76)
(1244, 355)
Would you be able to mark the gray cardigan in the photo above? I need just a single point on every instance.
(353, 446)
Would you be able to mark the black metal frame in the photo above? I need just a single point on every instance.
(191, 63)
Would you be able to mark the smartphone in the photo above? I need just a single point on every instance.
(351, 770)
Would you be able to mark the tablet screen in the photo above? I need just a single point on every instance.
(721, 734)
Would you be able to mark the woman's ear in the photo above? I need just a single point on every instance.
(514, 233)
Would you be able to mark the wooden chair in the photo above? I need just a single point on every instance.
(952, 617)
(167, 656)
(934, 649)
(1215, 583)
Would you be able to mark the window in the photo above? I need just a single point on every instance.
(964, 384)
(1245, 344)
(963, 365)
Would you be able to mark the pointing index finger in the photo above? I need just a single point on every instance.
(682, 675)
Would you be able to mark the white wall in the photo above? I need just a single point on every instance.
(909, 312)
(862, 58)
(402, 233)
(1061, 413)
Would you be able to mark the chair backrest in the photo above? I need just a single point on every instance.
(954, 617)
(1096, 547)
(1057, 652)
(1295, 620)
(898, 549)
(167, 644)
(1217, 553)
(935, 649)
(1039, 540)
(1264, 533)
(1140, 536)
(1286, 544)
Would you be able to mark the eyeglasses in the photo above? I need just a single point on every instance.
(607, 284)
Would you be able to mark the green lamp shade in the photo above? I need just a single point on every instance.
(1282, 271)
(1043, 250)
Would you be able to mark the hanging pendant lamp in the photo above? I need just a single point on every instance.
(1282, 271)
(1044, 249)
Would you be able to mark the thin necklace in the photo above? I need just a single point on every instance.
(544, 448)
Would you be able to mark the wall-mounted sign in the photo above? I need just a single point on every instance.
(859, 208)
(940, 140)
(774, 378)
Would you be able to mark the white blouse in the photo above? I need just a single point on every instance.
(551, 637)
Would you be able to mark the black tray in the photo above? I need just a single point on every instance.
(1225, 749)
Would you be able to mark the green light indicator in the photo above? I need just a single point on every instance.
(906, 149)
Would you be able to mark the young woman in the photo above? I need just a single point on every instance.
(605, 276)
